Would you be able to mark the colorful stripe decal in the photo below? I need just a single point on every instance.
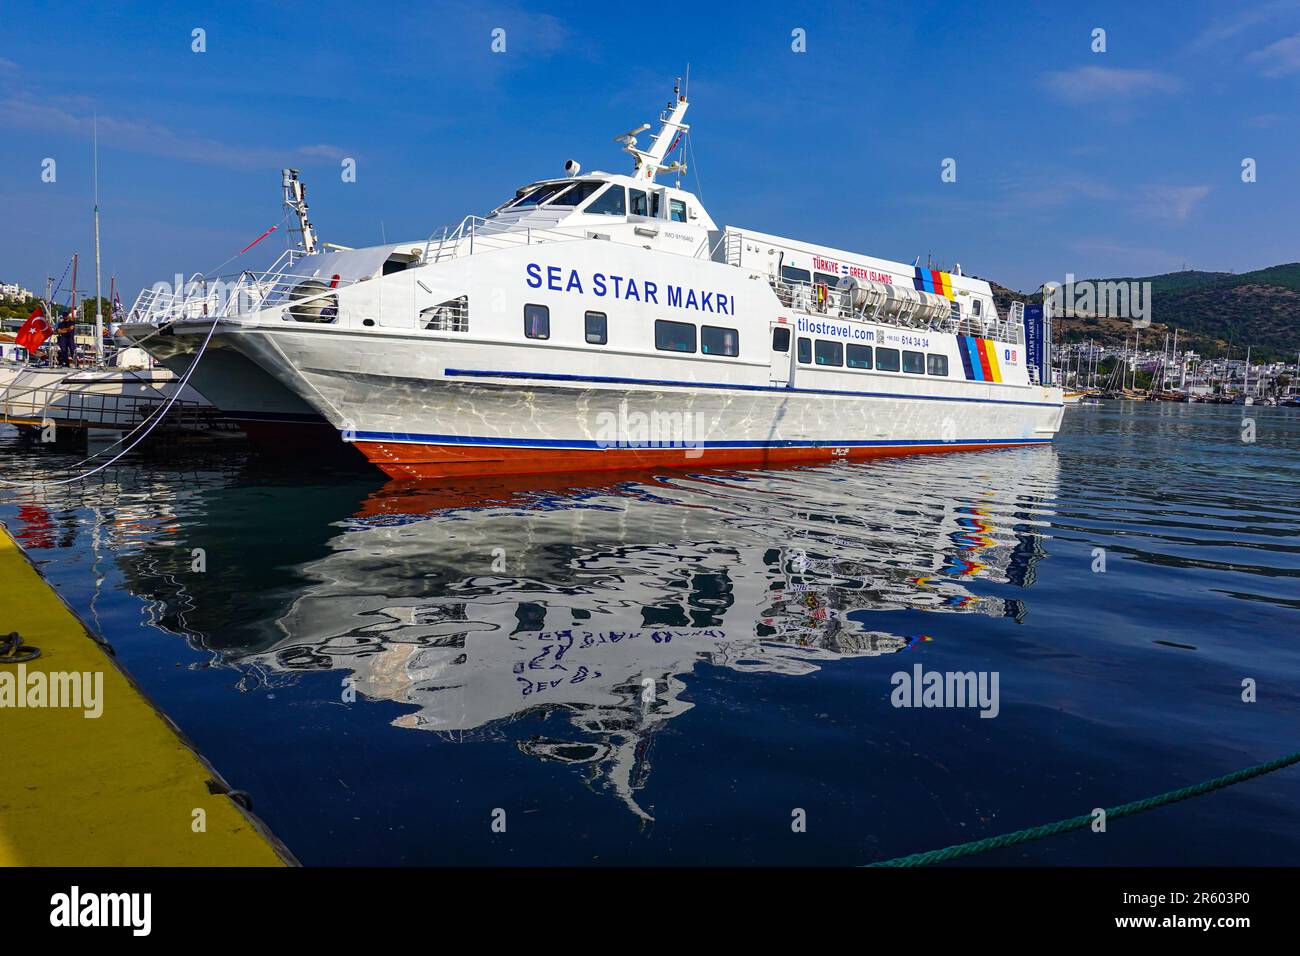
(934, 281)
(991, 350)
(979, 359)
(965, 357)
(973, 350)
(982, 349)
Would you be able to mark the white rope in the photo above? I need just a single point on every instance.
(180, 387)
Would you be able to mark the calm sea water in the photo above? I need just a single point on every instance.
(668, 668)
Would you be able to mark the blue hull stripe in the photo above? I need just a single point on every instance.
(610, 380)
(973, 348)
(560, 443)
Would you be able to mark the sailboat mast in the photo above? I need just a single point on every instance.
(99, 296)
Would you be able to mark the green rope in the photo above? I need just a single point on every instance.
(1078, 823)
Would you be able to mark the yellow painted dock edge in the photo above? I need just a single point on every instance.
(118, 790)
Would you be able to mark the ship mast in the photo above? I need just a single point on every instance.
(295, 197)
(650, 162)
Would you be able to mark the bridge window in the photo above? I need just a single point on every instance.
(829, 353)
(715, 340)
(576, 194)
(859, 356)
(677, 210)
(609, 203)
(975, 307)
(887, 360)
(674, 336)
(781, 339)
(597, 328)
(914, 363)
(639, 203)
(936, 364)
(791, 274)
(805, 351)
(537, 321)
(540, 195)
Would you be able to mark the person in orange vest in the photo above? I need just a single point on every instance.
(66, 330)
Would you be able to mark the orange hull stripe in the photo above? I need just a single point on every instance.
(418, 460)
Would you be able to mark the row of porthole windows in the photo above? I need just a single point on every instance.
(829, 354)
(669, 336)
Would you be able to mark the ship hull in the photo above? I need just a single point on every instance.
(272, 416)
(418, 409)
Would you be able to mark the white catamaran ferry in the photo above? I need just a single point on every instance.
(602, 321)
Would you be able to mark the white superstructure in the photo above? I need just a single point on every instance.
(599, 321)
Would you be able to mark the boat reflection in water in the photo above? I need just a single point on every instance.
(593, 604)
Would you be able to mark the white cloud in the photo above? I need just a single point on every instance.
(1279, 58)
(1172, 202)
(24, 112)
(1088, 84)
(1226, 28)
(1265, 120)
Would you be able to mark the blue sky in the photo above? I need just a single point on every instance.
(1125, 162)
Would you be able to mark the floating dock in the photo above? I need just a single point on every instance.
(124, 788)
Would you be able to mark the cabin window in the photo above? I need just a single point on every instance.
(576, 194)
(805, 351)
(975, 307)
(955, 310)
(821, 278)
(674, 336)
(781, 339)
(791, 274)
(541, 195)
(537, 321)
(859, 356)
(829, 353)
(936, 364)
(609, 203)
(914, 363)
(638, 202)
(677, 210)
(654, 205)
(715, 340)
(887, 360)
(597, 328)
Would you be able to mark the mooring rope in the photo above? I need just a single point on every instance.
(1078, 823)
(162, 413)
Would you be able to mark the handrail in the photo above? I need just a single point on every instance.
(487, 234)
(802, 297)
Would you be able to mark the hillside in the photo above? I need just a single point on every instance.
(1210, 309)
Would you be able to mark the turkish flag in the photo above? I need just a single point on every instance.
(34, 331)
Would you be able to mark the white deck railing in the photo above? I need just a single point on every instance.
(205, 297)
(476, 234)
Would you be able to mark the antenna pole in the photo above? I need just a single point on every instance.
(99, 301)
